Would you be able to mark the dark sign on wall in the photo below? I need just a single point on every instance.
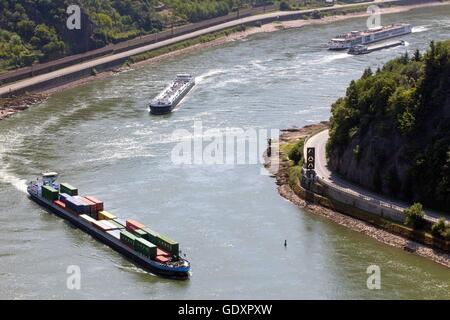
(310, 158)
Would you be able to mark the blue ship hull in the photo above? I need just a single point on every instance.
(178, 272)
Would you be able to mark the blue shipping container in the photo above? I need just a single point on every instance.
(63, 197)
(85, 207)
(74, 204)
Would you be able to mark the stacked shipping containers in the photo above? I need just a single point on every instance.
(106, 225)
(143, 240)
(139, 232)
(133, 225)
(98, 205)
(150, 235)
(144, 247)
(86, 206)
(49, 193)
(63, 196)
(114, 223)
(87, 218)
(74, 204)
(167, 244)
(60, 204)
(127, 238)
(68, 189)
(105, 215)
(161, 241)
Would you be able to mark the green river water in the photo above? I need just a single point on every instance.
(229, 219)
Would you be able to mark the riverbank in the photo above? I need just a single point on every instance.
(282, 25)
(10, 106)
(293, 136)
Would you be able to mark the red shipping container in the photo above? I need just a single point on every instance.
(88, 202)
(163, 253)
(91, 205)
(60, 204)
(98, 203)
(161, 259)
(133, 225)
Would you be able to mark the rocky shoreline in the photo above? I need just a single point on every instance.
(292, 136)
(10, 106)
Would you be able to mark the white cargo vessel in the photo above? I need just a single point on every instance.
(172, 94)
(355, 38)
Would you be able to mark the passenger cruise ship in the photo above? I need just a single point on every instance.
(355, 38)
(172, 94)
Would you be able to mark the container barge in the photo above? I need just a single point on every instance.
(361, 49)
(354, 38)
(146, 248)
(169, 98)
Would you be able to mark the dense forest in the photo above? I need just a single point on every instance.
(391, 132)
(35, 30)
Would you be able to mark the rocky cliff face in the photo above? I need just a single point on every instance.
(380, 157)
(395, 139)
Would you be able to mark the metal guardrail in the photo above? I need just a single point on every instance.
(41, 68)
(370, 200)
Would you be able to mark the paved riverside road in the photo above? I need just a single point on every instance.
(23, 84)
(319, 142)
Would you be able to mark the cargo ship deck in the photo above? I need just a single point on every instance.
(362, 49)
(172, 95)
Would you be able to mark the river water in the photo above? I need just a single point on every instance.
(229, 219)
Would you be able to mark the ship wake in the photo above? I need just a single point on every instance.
(208, 75)
(16, 182)
(418, 29)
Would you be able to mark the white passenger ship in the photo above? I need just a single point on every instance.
(355, 38)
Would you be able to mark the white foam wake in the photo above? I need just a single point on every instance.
(418, 29)
(209, 74)
(16, 182)
(329, 58)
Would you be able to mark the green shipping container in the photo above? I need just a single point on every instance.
(67, 188)
(50, 193)
(167, 245)
(150, 235)
(140, 233)
(127, 238)
(146, 248)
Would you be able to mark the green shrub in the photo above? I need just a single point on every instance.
(414, 215)
(316, 14)
(441, 229)
(295, 174)
(296, 153)
(401, 112)
(446, 234)
(284, 6)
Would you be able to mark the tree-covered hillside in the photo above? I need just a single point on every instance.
(35, 30)
(391, 132)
